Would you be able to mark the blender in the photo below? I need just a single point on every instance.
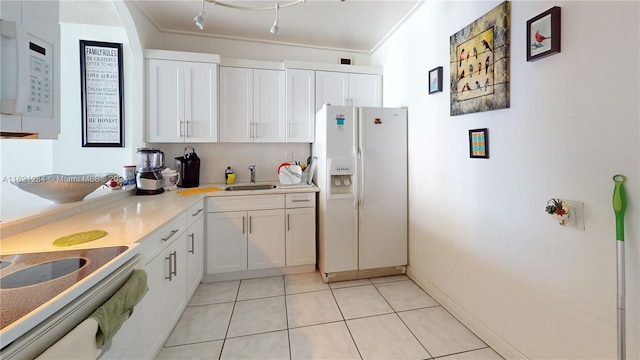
(149, 179)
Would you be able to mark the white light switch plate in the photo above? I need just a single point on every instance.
(576, 214)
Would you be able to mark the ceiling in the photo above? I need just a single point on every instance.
(357, 25)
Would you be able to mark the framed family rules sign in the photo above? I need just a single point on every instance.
(102, 87)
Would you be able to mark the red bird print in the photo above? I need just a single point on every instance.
(541, 38)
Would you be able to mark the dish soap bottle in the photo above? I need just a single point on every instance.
(229, 176)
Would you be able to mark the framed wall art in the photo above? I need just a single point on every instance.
(479, 56)
(543, 34)
(479, 143)
(101, 88)
(435, 80)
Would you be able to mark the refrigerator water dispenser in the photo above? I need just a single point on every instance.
(341, 178)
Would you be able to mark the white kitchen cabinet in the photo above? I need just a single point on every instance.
(164, 255)
(260, 232)
(226, 242)
(195, 247)
(300, 229)
(252, 105)
(182, 100)
(245, 233)
(300, 105)
(265, 245)
(348, 89)
(245, 240)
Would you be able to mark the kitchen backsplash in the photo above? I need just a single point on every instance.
(214, 159)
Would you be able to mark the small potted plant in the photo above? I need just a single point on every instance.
(558, 209)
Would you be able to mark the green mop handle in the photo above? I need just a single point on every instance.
(619, 204)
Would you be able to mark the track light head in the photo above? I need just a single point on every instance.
(274, 28)
(199, 19)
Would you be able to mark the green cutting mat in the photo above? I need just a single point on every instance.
(79, 238)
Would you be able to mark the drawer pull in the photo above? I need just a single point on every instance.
(173, 232)
(192, 236)
(175, 263)
(249, 224)
(170, 268)
(197, 212)
(243, 229)
(288, 222)
(301, 200)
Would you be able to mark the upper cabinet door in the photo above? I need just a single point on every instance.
(268, 106)
(300, 102)
(365, 90)
(183, 101)
(236, 104)
(331, 87)
(201, 102)
(165, 116)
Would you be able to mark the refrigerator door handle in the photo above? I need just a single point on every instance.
(355, 181)
(361, 179)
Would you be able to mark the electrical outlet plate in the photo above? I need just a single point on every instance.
(576, 214)
(288, 156)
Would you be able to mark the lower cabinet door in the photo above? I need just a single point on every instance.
(266, 239)
(195, 255)
(301, 236)
(226, 242)
(166, 298)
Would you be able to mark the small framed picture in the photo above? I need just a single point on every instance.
(435, 80)
(543, 34)
(479, 143)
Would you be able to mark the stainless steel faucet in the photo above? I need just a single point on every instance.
(252, 168)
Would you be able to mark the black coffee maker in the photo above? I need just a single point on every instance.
(189, 168)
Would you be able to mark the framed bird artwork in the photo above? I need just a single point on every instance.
(479, 63)
(543, 34)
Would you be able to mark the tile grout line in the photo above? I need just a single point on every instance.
(286, 315)
(400, 318)
(345, 322)
(224, 341)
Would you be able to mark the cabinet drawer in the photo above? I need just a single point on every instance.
(153, 244)
(195, 212)
(237, 203)
(301, 200)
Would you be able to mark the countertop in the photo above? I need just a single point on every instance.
(127, 220)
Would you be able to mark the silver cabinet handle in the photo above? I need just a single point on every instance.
(196, 213)
(300, 200)
(170, 268)
(175, 263)
(250, 224)
(173, 232)
(288, 222)
(192, 236)
(243, 219)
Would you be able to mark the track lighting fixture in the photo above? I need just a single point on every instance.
(199, 19)
(274, 28)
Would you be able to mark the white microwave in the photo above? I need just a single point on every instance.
(27, 73)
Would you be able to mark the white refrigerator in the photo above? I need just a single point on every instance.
(362, 207)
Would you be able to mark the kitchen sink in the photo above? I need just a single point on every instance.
(250, 187)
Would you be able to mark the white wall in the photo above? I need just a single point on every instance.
(479, 235)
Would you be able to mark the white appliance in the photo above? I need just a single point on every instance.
(29, 41)
(362, 176)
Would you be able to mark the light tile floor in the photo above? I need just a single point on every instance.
(300, 317)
